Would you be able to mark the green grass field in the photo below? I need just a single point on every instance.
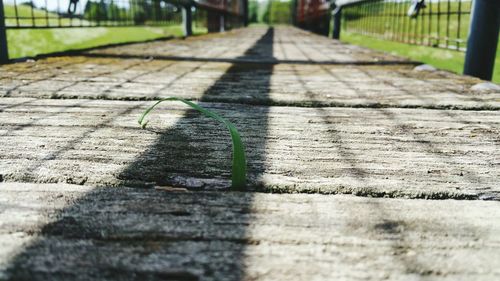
(32, 42)
(428, 28)
(440, 58)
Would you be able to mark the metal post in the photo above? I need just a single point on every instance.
(337, 20)
(4, 53)
(294, 12)
(222, 27)
(483, 39)
(187, 20)
(245, 12)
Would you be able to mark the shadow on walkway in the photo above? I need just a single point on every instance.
(132, 235)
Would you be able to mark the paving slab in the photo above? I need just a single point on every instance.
(81, 233)
(278, 44)
(316, 116)
(391, 152)
(293, 84)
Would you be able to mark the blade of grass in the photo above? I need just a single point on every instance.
(238, 177)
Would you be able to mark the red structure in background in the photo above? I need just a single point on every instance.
(234, 7)
(313, 15)
(224, 14)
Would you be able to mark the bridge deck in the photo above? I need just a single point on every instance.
(316, 116)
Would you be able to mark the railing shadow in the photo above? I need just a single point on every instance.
(182, 232)
(363, 177)
(199, 154)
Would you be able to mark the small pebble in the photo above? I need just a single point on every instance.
(170, 188)
(486, 86)
(424, 67)
(486, 196)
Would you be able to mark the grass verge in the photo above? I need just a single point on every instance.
(32, 42)
(440, 58)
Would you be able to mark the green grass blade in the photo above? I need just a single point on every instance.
(238, 177)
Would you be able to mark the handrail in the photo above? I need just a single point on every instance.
(217, 15)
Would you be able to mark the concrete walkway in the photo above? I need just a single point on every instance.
(87, 194)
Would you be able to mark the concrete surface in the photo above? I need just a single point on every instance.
(316, 116)
(70, 232)
(388, 152)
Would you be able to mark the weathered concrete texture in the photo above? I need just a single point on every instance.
(288, 45)
(413, 134)
(375, 151)
(78, 233)
(262, 84)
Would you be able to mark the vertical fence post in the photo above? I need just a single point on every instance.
(245, 12)
(483, 39)
(222, 24)
(294, 12)
(337, 20)
(4, 54)
(187, 20)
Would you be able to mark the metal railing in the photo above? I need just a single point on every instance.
(436, 23)
(89, 13)
(215, 15)
(472, 26)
